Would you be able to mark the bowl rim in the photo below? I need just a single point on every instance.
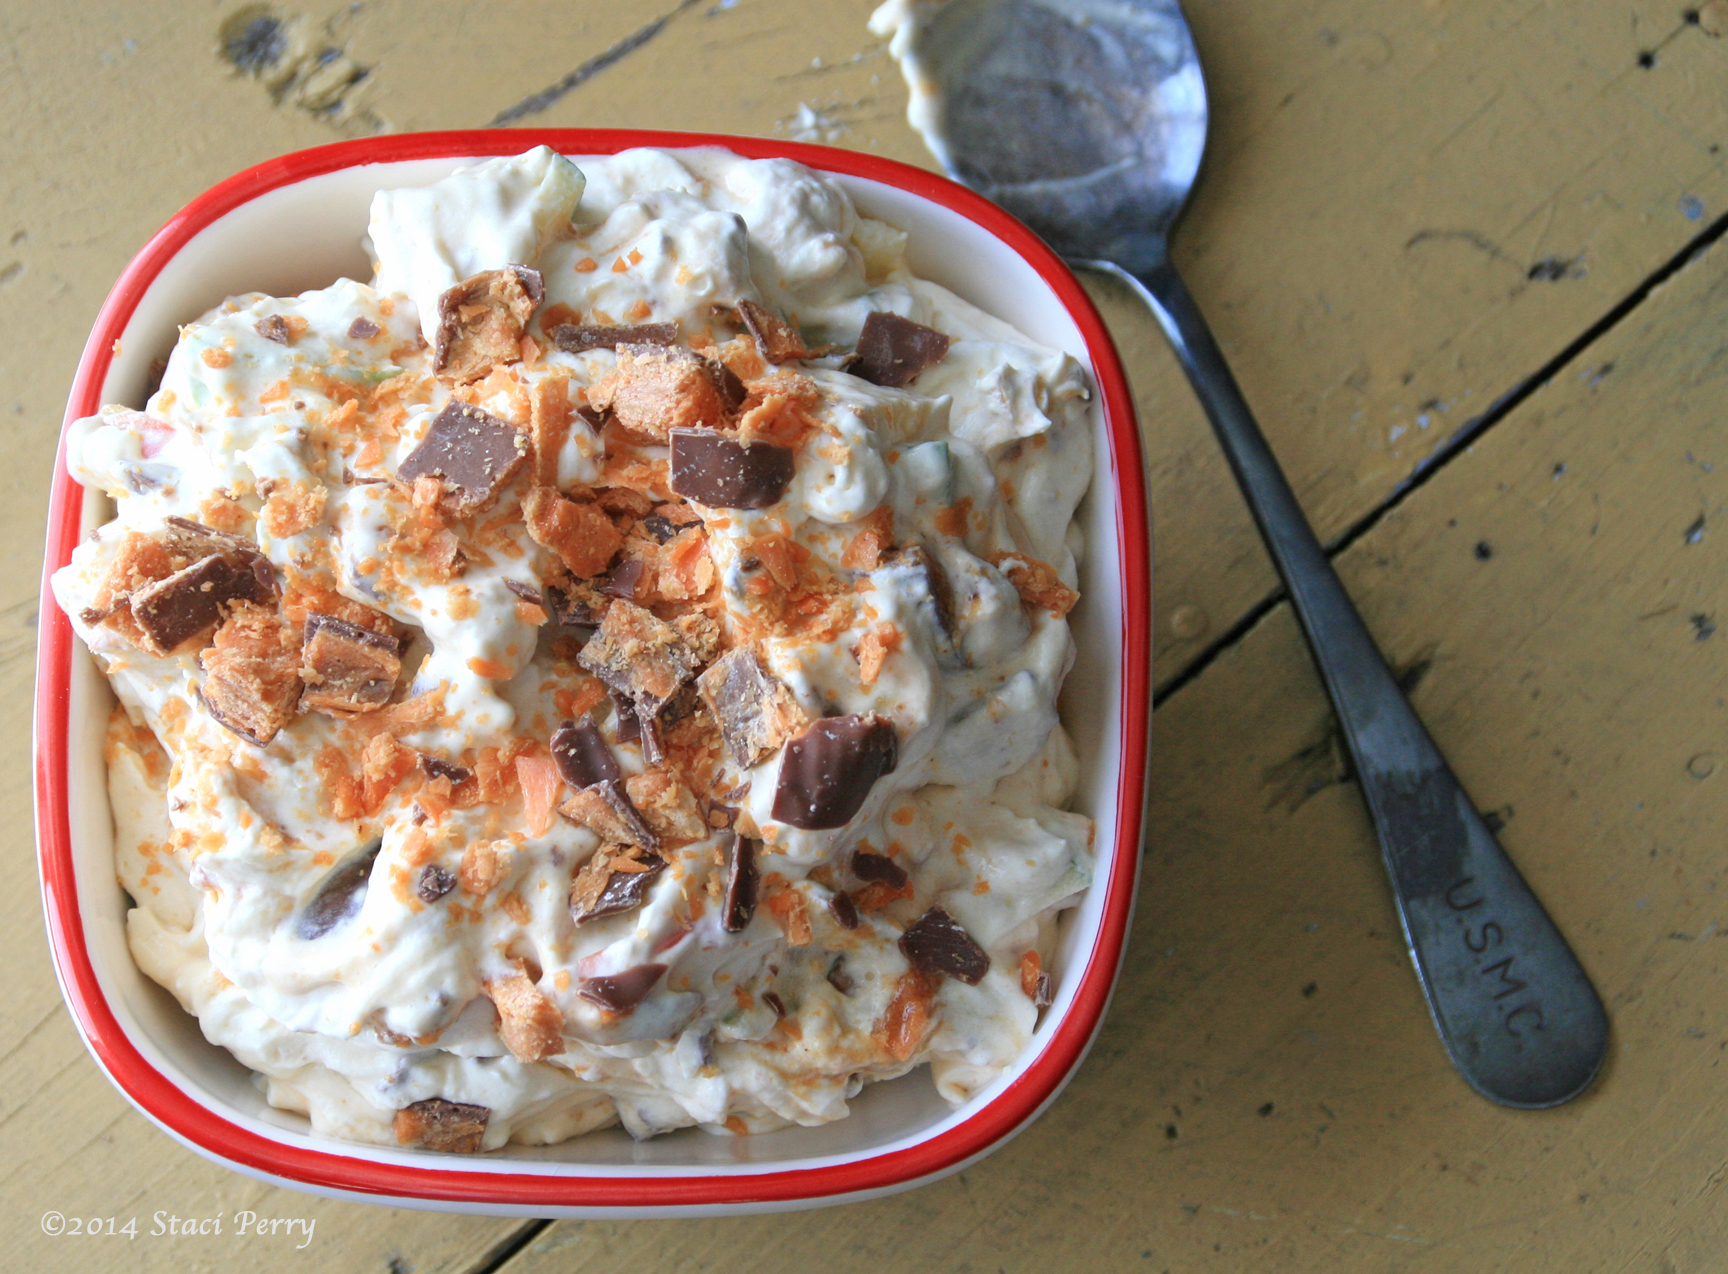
(438, 1181)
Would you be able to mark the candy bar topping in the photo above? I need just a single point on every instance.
(481, 321)
(173, 587)
(621, 992)
(778, 340)
(639, 655)
(583, 756)
(347, 668)
(893, 351)
(655, 389)
(827, 772)
(434, 883)
(743, 883)
(606, 810)
(723, 473)
(340, 896)
(878, 868)
(935, 943)
(452, 1127)
(470, 453)
(252, 674)
(615, 880)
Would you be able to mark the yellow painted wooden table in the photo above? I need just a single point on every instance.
(1459, 253)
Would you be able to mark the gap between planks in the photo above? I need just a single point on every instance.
(1450, 450)
(507, 1250)
(534, 103)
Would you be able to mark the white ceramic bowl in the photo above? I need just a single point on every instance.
(295, 223)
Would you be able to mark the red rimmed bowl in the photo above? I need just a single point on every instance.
(295, 223)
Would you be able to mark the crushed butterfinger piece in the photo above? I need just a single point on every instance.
(347, 668)
(435, 1124)
(252, 673)
(468, 454)
(605, 809)
(754, 709)
(582, 536)
(667, 806)
(481, 322)
(1037, 582)
(640, 656)
(654, 390)
(530, 1025)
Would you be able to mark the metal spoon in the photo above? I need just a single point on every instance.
(1087, 120)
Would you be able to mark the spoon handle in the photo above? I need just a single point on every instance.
(1515, 1010)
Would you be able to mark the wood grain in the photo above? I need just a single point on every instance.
(1408, 209)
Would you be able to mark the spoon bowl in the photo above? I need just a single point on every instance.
(1108, 110)
(1087, 120)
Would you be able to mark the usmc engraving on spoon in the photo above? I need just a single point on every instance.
(1486, 937)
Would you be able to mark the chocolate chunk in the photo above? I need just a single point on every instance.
(775, 1004)
(434, 883)
(621, 992)
(595, 419)
(605, 810)
(892, 350)
(845, 910)
(717, 471)
(1043, 992)
(638, 655)
(838, 978)
(778, 340)
(935, 943)
(827, 772)
(341, 895)
(171, 612)
(363, 329)
(481, 321)
(581, 754)
(471, 452)
(145, 478)
(273, 327)
(347, 668)
(874, 867)
(662, 529)
(567, 607)
(732, 391)
(921, 562)
(611, 883)
(438, 768)
(578, 338)
(527, 592)
(195, 540)
(622, 579)
(754, 709)
(743, 881)
(435, 1124)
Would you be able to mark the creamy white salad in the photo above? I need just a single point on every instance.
(602, 671)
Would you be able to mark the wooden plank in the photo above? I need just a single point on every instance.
(1344, 130)
(1268, 1092)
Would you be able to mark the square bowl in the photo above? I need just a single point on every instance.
(294, 223)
